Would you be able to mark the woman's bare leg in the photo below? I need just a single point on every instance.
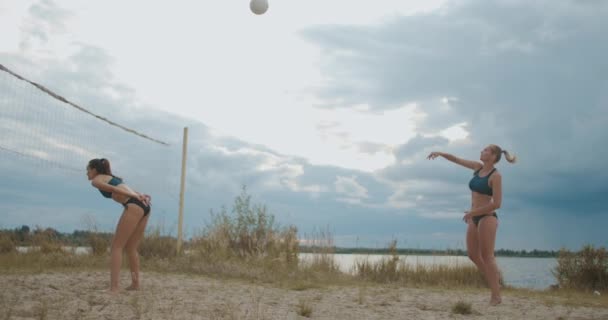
(125, 228)
(487, 237)
(131, 248)
(473, 250)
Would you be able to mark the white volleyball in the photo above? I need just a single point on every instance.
(258, 6)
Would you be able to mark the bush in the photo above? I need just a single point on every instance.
(47, 241)
(156, 245)
(6, 244)
(249, 233)
(586, 269)
(98, 243)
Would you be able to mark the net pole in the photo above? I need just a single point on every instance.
(181, 191)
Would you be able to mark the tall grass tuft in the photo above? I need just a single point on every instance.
(98, 242)
(157, 244)
(322, 249)
(393, 269)
(7, 245)
(47, 241)
(249, 233)
(304, 308)
(586, 269)
(462, 307)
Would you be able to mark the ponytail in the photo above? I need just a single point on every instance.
(106, 166)
(498, 151)
(510, 158)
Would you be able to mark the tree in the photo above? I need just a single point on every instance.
(22, 234)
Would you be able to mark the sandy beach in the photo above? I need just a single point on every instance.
(83, 295)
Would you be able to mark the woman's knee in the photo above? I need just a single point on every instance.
(488, 256)
(131, 249)
(117, 246)
(476, 258)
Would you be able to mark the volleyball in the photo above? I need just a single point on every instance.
(258, 6)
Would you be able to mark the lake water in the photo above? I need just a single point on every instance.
(532, 273)
(76, 250)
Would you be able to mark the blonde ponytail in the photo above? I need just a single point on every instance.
(510, 158)
(498, 151)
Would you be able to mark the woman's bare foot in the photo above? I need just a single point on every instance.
(114, 291)
(133, 287)
(494, 301)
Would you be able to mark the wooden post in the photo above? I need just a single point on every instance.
(181, 191)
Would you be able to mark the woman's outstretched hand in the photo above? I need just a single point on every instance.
(433, 155)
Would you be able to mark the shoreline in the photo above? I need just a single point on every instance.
(370, 251)
(345, 262)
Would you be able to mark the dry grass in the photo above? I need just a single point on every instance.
(395, 270)
(586, 269)
(302, 277)
(301, 285)
(157, 245)
(462, 307)
(99, 245)
(47, 242)
(247, 244)
(321, 245)
(249, 233)
(6, 244)
(304, 308)
(98, 242)
(37, 261)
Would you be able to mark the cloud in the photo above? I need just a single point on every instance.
(372, 148)
(349, 187)
(45, 20)
(527, 76)
(217, 166)
(50, 132)
(443, 215)
(419, 144)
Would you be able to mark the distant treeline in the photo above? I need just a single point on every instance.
(432, 252)
(24, 236)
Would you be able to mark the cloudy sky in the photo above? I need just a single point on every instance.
(325, 110)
